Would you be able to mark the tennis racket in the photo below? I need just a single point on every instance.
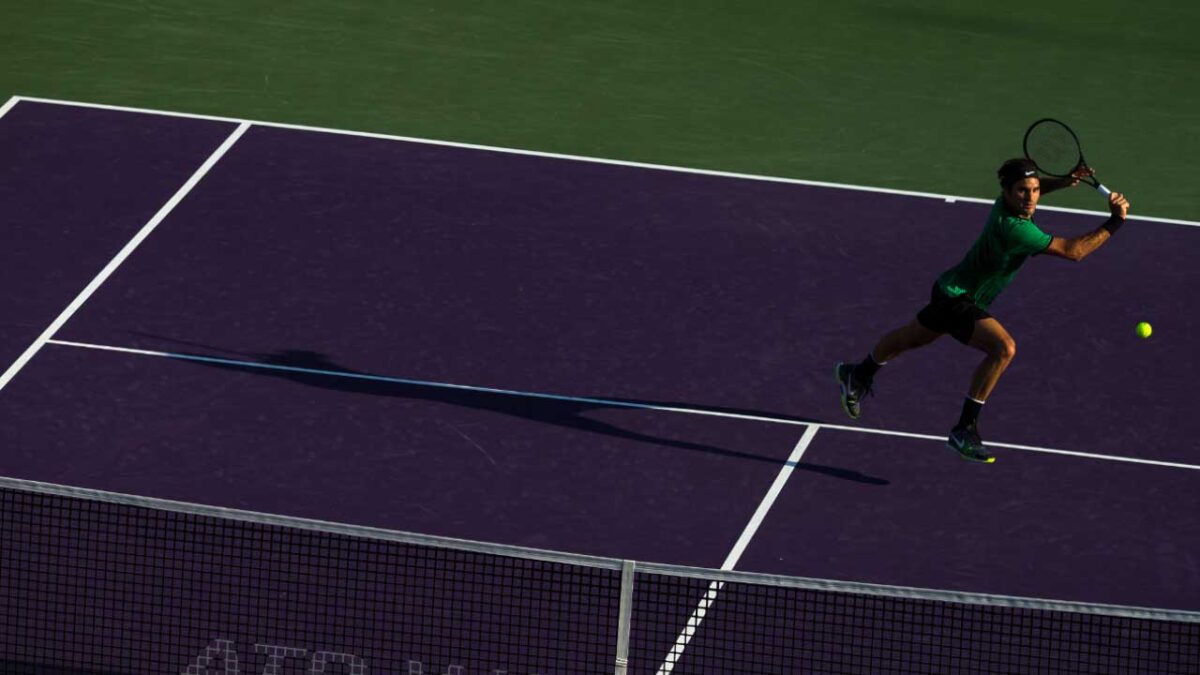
(1054, 149)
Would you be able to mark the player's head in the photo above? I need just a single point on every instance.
(1021, 186)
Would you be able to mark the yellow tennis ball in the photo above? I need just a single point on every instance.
(1143, 330)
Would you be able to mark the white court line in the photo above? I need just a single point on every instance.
(580, 158)
(8, 105)
(120, 257)
(1017, 446)
(612, 403)
(690, 628)
(768, 500)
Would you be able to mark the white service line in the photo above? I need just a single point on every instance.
(8, 105)
(950, 199)
(611, 403)
(768, 500)
(121, 256)
(1016, 446)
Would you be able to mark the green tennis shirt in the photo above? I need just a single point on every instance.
(989, 267)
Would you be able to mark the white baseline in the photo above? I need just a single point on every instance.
(950, 199)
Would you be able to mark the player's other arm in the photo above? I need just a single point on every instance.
(1051, 184)
(1078, 248)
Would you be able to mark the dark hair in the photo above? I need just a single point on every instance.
(1015, 170)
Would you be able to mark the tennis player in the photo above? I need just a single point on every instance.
(961, 295)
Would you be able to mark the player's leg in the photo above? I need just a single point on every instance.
(934, 320)
(999, 349)
(909, 336)
(856, 379)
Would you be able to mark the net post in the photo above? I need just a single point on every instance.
(625, 617)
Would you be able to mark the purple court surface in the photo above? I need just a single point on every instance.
(540, 275)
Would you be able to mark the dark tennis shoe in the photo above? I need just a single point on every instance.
(853, 391)
(967, 443)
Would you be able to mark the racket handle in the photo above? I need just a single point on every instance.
(1103, 190)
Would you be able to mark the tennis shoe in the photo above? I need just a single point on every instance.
(967, 443)
(853, 390)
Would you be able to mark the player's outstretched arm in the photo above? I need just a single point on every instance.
(1078, 248)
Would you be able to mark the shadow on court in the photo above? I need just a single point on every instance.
(564, 413)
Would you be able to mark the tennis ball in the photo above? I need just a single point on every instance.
(1143, 330)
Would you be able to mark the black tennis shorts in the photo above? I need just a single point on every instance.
(956, 316)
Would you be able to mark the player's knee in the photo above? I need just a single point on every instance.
(1000, 348)
(1006, 349)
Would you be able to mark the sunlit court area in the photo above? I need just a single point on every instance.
(533, 339)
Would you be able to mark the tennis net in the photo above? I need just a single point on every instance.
(99, 583)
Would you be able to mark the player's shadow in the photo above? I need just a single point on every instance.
(295, 365)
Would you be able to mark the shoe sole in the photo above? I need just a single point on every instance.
(989, 460)
(837, 375)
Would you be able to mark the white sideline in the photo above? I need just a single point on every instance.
(120, 257)
(8, 105)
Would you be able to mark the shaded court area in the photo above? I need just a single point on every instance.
(558, 475)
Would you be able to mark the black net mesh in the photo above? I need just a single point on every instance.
(749, 628)
(93, 586)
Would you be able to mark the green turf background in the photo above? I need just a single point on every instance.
(867, 92)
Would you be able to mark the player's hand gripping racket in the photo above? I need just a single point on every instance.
(1054, 148)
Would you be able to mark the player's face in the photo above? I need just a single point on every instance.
(1021, 198)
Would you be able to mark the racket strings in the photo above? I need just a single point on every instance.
(1053, 148)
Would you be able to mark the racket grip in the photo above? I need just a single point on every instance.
(1103, 190)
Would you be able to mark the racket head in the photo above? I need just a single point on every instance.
(1053, 147)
